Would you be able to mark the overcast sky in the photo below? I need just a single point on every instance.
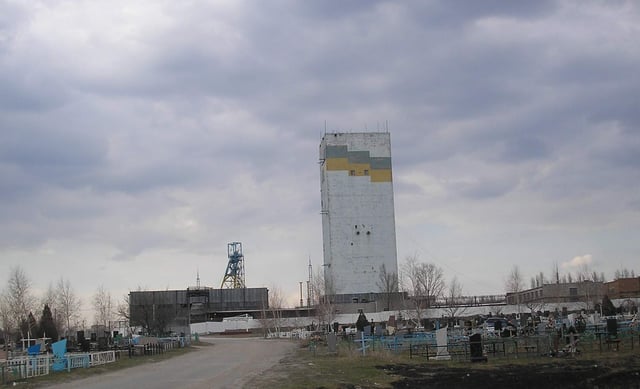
(138, 138)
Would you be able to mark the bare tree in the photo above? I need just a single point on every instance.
(624, 273)
(388, 284)
(67, 304)
(555, 273)
(455, 305)
(514, 282)
(123, 313)
(49, 297)
(425, 281)
(49, 300)
(103, 306)
(584, 273)
(276, 303)
(6, 320)
(122, 310)
(322, 290)
(18, 296)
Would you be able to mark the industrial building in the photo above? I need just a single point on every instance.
(358, 220)
(624, 288)
(164, 311)
(588, 292)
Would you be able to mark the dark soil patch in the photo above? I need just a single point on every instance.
(566, 374)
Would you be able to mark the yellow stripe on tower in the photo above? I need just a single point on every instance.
(337, 163)
(380, 175)
(358, 169)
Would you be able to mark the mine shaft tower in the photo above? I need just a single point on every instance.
(234, 275)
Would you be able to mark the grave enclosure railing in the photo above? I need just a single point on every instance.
(33, 366)
(547, 344)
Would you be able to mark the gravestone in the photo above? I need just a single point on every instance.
(86, 346)
(475, 348)
(59, 349)
(612, 328)
(442, 353)
(332, 342)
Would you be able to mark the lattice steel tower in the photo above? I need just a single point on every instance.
(234, 276)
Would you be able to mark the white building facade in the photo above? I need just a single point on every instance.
(358, 219)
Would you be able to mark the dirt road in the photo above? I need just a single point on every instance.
(229, 363)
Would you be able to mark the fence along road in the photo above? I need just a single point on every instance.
(229, 363)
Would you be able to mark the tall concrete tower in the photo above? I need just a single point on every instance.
(358, 221)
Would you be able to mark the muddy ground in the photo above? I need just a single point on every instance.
(556, 373)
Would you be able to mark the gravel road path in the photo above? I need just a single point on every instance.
(229, 363)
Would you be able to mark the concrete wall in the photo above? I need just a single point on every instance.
(358, 219)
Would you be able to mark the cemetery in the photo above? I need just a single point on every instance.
(41, 357)
(474, 340)
(571, 351)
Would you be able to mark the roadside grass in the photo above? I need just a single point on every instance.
(347, 368)
(124, 362)
(319, 369)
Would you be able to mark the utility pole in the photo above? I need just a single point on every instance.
(301, 300)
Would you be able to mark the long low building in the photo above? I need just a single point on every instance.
(165, 311)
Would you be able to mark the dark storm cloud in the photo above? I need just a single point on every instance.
(145, 127)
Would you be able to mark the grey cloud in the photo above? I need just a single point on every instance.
(623, 156)
(463, 11)
(331, 10)
(484, 188)
(29, 92)
(523, 149)
(37, 155)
